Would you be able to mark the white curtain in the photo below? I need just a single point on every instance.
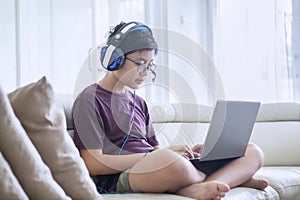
(236, 49)
(295, 52)
(8, 62)
(252, 49)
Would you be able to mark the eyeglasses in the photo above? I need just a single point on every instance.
(141, 68)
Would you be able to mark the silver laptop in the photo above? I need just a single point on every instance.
(229, 132)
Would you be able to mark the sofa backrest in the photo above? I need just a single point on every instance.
(276, 131)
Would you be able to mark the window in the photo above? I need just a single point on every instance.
(253, 49)
(8, 62)
(55, 37)
(210, 49)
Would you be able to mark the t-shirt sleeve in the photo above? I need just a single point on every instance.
(88, 124)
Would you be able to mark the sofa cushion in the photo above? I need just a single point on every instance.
(170, 134)
(279, 141)
(279, 111)
(285, 180)
(37, 108)
(268, 112)
(239, 193)
(65, 100)
(10, 187)
(144, 196)
(161, 113)
(26, 163)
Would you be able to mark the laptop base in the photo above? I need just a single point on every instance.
(209, 167)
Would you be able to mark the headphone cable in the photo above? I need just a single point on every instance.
(130, 125)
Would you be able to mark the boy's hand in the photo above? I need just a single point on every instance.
(197, 149)
(186, 151)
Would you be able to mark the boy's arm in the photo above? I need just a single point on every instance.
(100, 164)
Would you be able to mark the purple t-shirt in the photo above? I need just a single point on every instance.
(102, 120)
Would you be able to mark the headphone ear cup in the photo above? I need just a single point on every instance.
(116, 59)
(102, 54)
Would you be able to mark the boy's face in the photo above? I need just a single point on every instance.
(129, 74)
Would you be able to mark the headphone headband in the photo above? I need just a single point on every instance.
(112, 55)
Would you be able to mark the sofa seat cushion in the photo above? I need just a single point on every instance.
(144, 196)
(285, 180)
(239, 193)
(234, 194)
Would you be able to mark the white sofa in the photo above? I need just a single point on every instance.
(276, 131)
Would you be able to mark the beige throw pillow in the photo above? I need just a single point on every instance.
(26, 163)
(44, 121)
(10, 187)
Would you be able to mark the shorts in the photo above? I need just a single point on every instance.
(123, 182)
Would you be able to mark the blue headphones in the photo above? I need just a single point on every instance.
(112, 56)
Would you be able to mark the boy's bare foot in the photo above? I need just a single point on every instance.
(205, 190)
(260, 184)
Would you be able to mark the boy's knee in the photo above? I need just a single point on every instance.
(257, 152)
(180, 165)
(169, 156)
(175, 162)
(157, 160)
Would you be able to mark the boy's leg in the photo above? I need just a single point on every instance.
(166, 171)
(240, 171)
(163, 171)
